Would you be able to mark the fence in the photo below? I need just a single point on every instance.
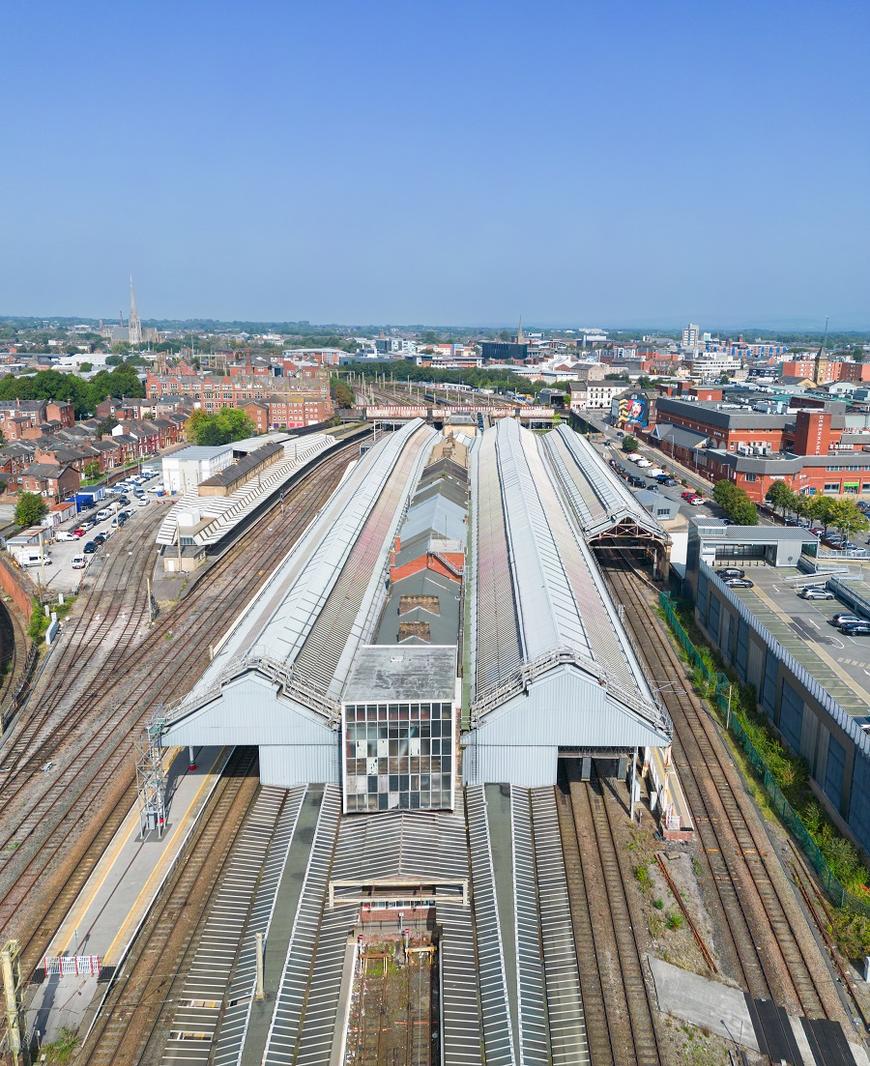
(72, 965)
(721, 687)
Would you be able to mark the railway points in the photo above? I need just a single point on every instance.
(458, 714)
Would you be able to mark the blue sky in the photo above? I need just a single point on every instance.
(576, 163)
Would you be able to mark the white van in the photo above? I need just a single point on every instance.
(35, 559)
(103, 514)
(79, 562)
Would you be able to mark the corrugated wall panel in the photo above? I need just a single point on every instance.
(285, 766)
(250, 712)
(531, 767)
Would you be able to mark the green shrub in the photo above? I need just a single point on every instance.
(659, 904)
(674, 920)
(641, 875)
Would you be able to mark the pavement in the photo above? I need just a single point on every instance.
(119, 893)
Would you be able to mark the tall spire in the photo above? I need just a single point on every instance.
(134, 333)
(521, 337)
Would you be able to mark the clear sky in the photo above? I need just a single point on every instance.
(647, 162)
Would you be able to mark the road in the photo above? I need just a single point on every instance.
(612, 447)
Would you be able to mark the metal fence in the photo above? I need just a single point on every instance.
(720, 687)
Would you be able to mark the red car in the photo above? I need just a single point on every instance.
(79, 531)
(689, 495)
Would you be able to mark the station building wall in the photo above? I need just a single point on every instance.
(795, 705)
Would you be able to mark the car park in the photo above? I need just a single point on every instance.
(90, 548)
(731, 571)
(739, 583)
(64, 534)
(856, 629)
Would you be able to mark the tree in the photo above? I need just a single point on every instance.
(30, 509)
(847, 517)
(86, 368)
(228, 424)
(629, 444)
(780, 497)
(735, 503)
(820, 510)
(113, 360)
(92, 470)
(342, 393)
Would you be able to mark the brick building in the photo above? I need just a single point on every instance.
(810, 449)
(829, 370)
(290, 402)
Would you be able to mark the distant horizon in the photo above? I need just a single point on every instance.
(797, 324)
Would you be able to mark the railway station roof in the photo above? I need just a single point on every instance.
(539, 602)
(600, 500)
(303, 628)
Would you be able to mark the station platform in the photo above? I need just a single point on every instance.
(99, 927)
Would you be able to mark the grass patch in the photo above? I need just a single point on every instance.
(659, 904)
(641, 875)
(674, 920)
(61, 1050)
(789, 771)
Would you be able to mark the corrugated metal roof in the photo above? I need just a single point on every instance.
(600, 499)
(536, 591)
(319, 603)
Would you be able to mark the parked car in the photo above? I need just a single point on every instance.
(815, 592)
(844, 617)
(64, 534)
(669, 481)
(696, 501)
(731, 571)
(856, 629)
(79, 531)
(739, 583)
(687, 495)
(89, 548)
(142, 501)
(79, 562)
(100, 538)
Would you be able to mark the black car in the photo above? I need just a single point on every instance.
(670, 482)
(731, 571)
(100, 538)
(89, 548)
(122, 518)
(855, 629)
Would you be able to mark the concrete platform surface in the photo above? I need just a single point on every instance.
(118, 894)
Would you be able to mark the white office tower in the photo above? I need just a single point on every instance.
(691, 333)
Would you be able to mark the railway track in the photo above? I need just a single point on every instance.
(133, 1007)
(95, 619)
(47, 833)
(620, 1022)
(763, 932)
